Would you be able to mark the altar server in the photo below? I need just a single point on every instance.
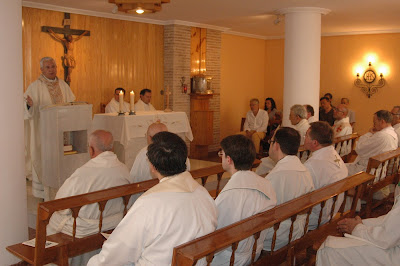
(325, 166)
(103, 171)
(374, 241)
(46, 90)
(141, 169)
(113, 105)
(175, 211)
(290, 179)
(143, 104)
(244, 195)
(381, 138)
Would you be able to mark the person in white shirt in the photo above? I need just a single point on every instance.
(374, 241)
(141, 169)
(256, 123)
(396, 121)
(173, 212)
(298, 120)
(48, 89)
(310, 113)
(290, 179)
(381, 138)
(245, 194)
(143, 104)
(342, 127)
(103, 171)
(351, 114)
(325, 167)
(113, 105)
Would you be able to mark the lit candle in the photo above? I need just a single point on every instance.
(132, 100)
(121, 101)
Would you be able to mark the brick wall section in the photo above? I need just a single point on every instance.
(213, 66)
(177, 65)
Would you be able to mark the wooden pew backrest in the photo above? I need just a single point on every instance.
(385, 168)
(206, 246)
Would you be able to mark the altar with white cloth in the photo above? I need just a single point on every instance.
(129, 131)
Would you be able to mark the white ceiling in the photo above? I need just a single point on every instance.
(249, 17)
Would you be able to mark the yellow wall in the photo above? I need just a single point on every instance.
(242, 78)
(273, 84)
(117, 54)
(339, 56)
(245, 63)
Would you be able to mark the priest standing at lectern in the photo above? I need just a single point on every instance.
(46, 90)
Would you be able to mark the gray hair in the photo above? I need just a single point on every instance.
(102, 140)
(384, 115)
(343, 109)
(47, 58)
(299, 110)
(255, 100)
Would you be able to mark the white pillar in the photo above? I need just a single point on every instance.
(302, 57)
(13, 205)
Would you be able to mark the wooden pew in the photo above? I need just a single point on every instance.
(70, 246)
(385, 168)
(206, 246)
(304, 154)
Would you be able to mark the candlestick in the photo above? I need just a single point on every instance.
(132, 100)
(121, 101)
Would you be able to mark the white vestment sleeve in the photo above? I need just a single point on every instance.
(125, 244)
(367, 141)
(386, 234)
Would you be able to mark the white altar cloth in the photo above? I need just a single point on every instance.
(130, 130)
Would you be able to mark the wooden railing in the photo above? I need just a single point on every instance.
(70, 246)
(385, 168)
(230, 236)
(339, 143)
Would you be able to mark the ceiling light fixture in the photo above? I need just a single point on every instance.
(139, 10)
(139, 6)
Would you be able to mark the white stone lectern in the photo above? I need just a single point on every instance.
(64, 132)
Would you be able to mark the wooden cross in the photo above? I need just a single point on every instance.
(68, 43)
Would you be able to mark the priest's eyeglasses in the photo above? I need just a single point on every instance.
(271, 141)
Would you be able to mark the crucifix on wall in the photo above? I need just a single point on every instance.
(68, 41)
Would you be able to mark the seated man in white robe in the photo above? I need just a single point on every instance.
(299, 122)
(381, 138)
(325, 166)
(173, 212)
(103, 171)
(290, 179)
(342, 127)
(143, 104)
(140, 169)
(48, 89)
(374, 241)
(396, 121)
(256, 123)
(310, 114)
(113, 105)
(245, 194)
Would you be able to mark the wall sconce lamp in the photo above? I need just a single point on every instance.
(368, 78)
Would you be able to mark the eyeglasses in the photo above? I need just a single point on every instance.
(270, 141)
